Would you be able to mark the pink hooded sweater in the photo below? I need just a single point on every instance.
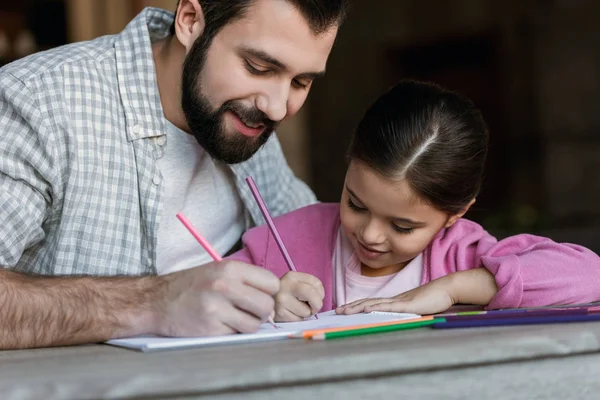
(530, 270)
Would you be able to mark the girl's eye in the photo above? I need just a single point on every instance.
(402, 230)
(354, 206)
(397, 228)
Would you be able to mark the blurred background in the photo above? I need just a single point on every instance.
(531, 66)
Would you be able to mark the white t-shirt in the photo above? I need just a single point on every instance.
(350, 285)
(204, 191)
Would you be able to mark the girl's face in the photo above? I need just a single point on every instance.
(386, 222)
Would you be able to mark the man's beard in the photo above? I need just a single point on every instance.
(207, 125)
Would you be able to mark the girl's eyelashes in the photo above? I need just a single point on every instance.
(402, 230)
(396, 228)
(354, 206)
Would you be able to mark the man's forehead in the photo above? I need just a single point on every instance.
(277, 29)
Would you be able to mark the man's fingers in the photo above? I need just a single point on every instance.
(239, 320)
(259, 278)
(247, 298)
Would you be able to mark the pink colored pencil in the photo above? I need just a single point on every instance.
(209, 249)
(267, 215)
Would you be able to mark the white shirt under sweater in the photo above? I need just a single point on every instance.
(204, 191)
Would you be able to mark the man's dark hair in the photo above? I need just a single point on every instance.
(320, 14)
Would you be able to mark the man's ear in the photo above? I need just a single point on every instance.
(455, 217)
(189, 22)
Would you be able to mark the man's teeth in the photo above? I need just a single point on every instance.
(252, 125)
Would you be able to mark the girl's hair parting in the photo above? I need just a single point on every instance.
(434, 138)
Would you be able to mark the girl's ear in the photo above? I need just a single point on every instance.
(189, 22)
(455, 217)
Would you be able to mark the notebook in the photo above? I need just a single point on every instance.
(266, 332)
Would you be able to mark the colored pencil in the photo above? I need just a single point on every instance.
(533, 320)
(590, 308)
(309, 333)
(373, 330)
(267, 215)
(209, 249)
(517, 314)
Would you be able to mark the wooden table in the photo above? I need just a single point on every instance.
(523, 362)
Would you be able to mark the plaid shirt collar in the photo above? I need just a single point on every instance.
(135, 65)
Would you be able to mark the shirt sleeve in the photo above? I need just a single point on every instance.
(533, 271)
(529, 270)
(26, 167)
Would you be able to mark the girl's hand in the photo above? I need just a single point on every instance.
(431, 298)
(474, 286)
(300, 296)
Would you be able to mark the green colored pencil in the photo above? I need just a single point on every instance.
(375, 329)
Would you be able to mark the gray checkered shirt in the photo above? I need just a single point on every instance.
(81, 128)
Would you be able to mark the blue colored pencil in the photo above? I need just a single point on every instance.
(529, 320)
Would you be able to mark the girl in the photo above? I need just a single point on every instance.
(398, 242)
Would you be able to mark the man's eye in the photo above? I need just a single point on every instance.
(299, 85)
(254, 70)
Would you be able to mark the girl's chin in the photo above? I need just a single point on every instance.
(370, 268)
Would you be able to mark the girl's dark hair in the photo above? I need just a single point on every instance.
(319, 14)
(434, 138)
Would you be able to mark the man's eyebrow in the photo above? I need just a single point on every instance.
(269, 59)
(311, 75)
(265, 57)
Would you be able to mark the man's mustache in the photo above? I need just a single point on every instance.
(249, 116)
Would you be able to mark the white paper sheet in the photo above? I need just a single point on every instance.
(266, 332)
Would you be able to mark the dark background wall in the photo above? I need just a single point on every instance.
(533, 68)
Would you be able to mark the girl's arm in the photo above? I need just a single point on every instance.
(464, 264)
(475, 286)
(528, 270)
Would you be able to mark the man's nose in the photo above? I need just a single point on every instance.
(274, 101)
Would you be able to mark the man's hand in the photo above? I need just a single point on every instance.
(300, 296)
(215, 299)
(212, 299)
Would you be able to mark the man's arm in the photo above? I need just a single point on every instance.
(42, 311)
(214, 299)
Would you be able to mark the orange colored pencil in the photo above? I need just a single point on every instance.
(310, 333)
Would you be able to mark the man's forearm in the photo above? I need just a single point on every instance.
(54, 311)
